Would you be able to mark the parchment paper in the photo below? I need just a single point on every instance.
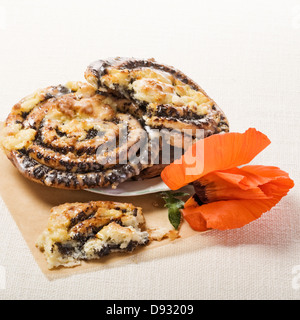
(29, 204)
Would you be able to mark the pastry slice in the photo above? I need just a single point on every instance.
(92, 230)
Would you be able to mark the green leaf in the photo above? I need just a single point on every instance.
(174, 205)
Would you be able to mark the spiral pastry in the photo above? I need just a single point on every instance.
(166, 97)
(53, 137)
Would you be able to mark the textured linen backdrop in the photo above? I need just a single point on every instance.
(246, 56)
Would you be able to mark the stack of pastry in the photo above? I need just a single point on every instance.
(72, 136)
(54, 135)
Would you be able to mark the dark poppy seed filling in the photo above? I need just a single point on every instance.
(116, 247)
(65, 249)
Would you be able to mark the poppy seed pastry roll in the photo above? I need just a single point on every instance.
(54, 136)
(166, 97)
(92, 230)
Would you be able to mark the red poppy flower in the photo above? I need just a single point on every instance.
(227, 196)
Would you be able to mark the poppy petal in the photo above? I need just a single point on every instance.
(217, 152)
(235, 213)
(191, 202)
(244, 179)
(194, 217)
(224, 215)
(228, 186)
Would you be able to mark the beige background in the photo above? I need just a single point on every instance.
(246, 55)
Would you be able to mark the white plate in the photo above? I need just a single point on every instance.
(134, 188)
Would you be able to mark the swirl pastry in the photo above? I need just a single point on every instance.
(164, 96)
(86, 231)
(53, 137)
